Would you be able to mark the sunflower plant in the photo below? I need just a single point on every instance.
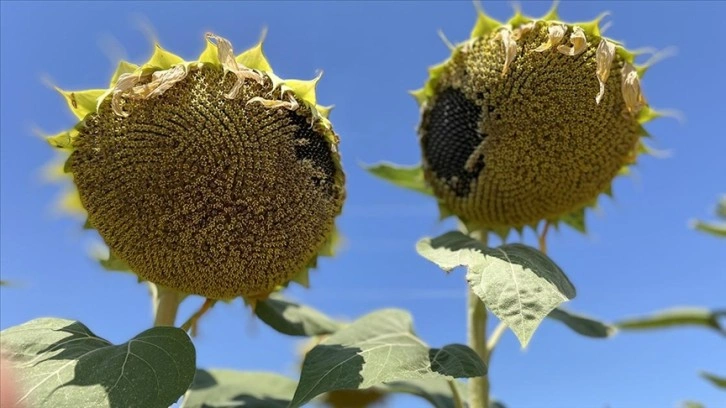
(525, 126)
(216, 178)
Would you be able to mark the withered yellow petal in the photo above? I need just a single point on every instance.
(578, 41)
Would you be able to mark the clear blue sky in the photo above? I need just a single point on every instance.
(639, 256)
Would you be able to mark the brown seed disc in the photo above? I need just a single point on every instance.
(507, 150)
(208, 195)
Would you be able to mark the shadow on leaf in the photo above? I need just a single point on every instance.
(232, 389)
(64, 364)
(329, 367)
(294, 319)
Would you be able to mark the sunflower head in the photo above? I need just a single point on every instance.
(530, 120)
(212, 177)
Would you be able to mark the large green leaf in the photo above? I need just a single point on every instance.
(519, 284)
(62, 364)
(232, 389)
(294, 319)
(378, 348)
(676, 318)
(410, 177)
(583, 325)
(363, 398)
(716, 380)
(713, 228)
(436, 391)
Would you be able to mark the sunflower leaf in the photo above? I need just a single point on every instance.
(379, 348)
(294, 319)
(436, 391)
(716, 229)
(583, 325)
(718, 381)
(410, 177)
(676, 318)
(232, 389)
(519, 284)
(65, 365)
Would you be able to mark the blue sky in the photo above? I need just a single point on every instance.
(639, 255)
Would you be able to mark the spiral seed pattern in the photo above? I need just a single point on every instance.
(205, 194)
(507, 148)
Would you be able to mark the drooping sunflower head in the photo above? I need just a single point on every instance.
(212, 177)
(530, 120)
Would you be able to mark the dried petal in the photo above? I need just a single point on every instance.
(228, 61)
(241, 75)
(522, 30)
(578, 41)
(161, 81)
(224, 52)
(510, 48)
(273, 103)
(555, 34)
(632, 94)
(604, 58)
(124, 84)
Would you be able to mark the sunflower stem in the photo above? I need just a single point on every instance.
(542, 239)
(494, 339)
(166, 304)
(477, 339)
(458, 403)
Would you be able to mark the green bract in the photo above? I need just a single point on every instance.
(212, 177)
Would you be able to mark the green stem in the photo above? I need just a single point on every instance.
(166, 304)
(494, 339)
(458, 403)
(477, 339)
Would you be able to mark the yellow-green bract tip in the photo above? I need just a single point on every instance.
(419, 95)
(210, 54)
(254, 58)
(81, 103)
(325, 110)
(484, 24)
(161, 59)
(593, 27)
(305, 90)
(62, 140)
(124, 67)
(551, 14)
